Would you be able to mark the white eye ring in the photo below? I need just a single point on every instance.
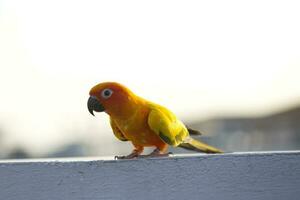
(106, 93)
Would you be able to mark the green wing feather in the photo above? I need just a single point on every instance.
(167, 126)
(117, 132)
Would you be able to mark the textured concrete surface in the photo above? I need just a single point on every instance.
(269, 175)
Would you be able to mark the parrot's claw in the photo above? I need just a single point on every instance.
(134, 154)
(156, 153)
(151, 155)
(124, 157)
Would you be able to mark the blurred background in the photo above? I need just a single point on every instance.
(228, 68)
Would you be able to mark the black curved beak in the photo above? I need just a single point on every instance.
(94, 105)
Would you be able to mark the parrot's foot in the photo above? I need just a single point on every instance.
(134, 154)
(156, 153)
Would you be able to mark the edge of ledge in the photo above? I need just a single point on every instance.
(110, 159)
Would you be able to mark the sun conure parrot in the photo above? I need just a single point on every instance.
(142, 122)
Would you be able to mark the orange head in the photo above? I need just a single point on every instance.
(111, 97)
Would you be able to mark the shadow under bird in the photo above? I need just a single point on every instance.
(143, 123)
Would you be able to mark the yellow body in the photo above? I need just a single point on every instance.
(144, 123)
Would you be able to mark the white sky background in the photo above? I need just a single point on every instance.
(199, 58)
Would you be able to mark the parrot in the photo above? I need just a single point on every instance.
(142, 122)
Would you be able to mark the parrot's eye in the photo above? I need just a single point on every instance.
(106, 93)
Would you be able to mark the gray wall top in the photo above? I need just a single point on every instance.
(265, 175)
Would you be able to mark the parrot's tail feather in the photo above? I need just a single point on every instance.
(188, 147)
(193, 131)
(197, 145)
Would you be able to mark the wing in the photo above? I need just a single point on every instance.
(167, 126)
(117, 132)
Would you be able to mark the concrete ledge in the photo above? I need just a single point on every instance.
(269, 175)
